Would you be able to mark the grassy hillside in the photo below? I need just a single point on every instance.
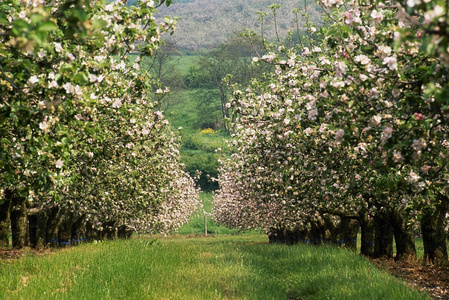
(206, 23)
(228, 267)
(198, 144)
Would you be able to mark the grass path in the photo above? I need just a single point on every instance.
(228, 267)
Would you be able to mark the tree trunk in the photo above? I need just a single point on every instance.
(54, 219)
(91, 233)
(434, 236)
(5, 221)
(333, 229)
(79, 230)
(383, 244)
(109, 230)
(290, 237)
(349, 229)
(19, 221)
(38, 229)
(326, 233)
(404, 237)
(65, 230)
(32, 225)
(368, 235)
(273, 236)
(316, 236)
(125, 233)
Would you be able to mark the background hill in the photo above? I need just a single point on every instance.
(207, 23)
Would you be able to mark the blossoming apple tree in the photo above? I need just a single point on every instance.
(351, 125)
(82, 138)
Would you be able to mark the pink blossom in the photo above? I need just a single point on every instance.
(33, 79)
(339, 135)
(391, 62)
(59, 163)
(419, 116)
(387, 133)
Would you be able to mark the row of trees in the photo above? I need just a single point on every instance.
(85, 150)
(350, 131)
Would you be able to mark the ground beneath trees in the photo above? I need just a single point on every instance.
(430, 278)
(11, 254)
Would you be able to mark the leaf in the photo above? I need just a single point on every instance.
(19, 27)
(81, 14)
(3, 19)
(47, 26)
(99, 23)
(81, 78)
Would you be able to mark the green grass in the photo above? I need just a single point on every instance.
(182, 110)
(184, 62)
(227, 267)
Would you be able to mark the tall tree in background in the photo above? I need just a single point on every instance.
(230, 63)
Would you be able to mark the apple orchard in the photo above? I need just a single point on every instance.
(348, 134)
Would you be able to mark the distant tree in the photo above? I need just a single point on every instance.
(217, 70)
(209, 108)
(163, 63)
(162, 66)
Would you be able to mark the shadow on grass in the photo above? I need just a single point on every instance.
(325, 272)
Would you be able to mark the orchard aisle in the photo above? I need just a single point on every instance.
(222, 267)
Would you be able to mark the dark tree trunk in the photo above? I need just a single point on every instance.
(333, 229)
(54, 219)
(349, 229)
(273, 236)
(79, 230)
(125, 233)
(434, 236)
(65, 230)
(19, 221)
(91, 233)
(383, 244)
(303, 235)
(277, 235)
(38, 229)
(315, 234)
(325, 231)
(404, 237)
(368, 235)
(290, 237)
(109, 231)
(5, 221)
(32, 225)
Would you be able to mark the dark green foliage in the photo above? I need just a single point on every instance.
(206, 163)
(198, 154)
(193, 77)
(209, 109)
(190, 143)
(214, 72)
